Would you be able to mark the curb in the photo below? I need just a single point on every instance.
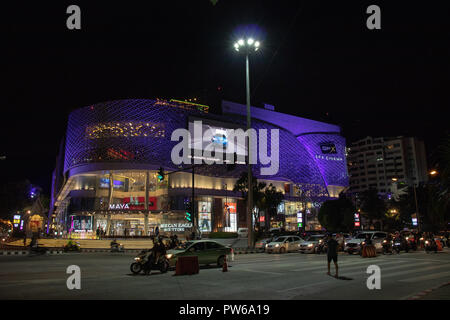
(25, 253)
(421, 294)
(246, 251)
(109, 250)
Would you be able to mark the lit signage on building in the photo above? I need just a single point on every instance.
(414, 222)
(16, 220)
(175, 227)
(328, 148)
(357, 221)
(320, 157)
(119, 206)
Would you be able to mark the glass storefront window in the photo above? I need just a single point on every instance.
(204, 213)
(230, 215)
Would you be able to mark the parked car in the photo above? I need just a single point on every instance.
(284, 244)
(207, 251)
(309, 245)
(354, 245)
(242, 232)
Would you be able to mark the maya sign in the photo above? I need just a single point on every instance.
(119, 206)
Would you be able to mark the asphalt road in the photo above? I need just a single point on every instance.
(252, 276)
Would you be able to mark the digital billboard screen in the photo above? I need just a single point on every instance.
(215, 134)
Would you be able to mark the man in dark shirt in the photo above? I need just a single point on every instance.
(332, 254)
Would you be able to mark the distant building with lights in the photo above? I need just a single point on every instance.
(106, 172)
(385, 164)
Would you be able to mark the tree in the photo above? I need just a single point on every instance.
(241, 185)
(265, 198)
(337, 215)
(269, 202)
(373, 206)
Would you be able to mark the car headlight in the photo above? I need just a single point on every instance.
(427, 242)
(363, 243)
(310, 245)
(421, 239)
(277, 245)
(320, 241)
(267, 245)
(137, 259)
(169, 256)
(345, 243)
(407, 238)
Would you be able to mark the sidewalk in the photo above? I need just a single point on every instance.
(105, 244)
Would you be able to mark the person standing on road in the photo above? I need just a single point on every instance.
(332, 254)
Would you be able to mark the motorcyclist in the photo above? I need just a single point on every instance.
(387, 243)
(160, 250)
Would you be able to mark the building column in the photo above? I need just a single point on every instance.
(146, 224)
(110, 197)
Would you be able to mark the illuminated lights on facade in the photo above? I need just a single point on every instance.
(125, 129)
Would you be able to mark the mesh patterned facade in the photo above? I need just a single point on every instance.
(139, 132)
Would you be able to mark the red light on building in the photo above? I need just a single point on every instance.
(357, 224)
(262, 219)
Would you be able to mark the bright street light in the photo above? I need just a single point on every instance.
(248, 47)
(433, 172)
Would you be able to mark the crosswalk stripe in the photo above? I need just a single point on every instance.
(428, 277)
(418, 270)
(350, 264)
(344, 269)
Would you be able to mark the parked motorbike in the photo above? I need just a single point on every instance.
(145, 262)
(116, 247)
(38, 250)
(72, 246)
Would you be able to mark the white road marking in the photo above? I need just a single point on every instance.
(258, 271)
(362, 267)
(428, 277)
(419, 270)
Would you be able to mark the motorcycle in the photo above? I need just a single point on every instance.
(397, 246)
(38, 250)
(411, 244)
(72, 246)
(321, 247)
(430, 245)
(117, 247)
(145, 262)
(387, 247)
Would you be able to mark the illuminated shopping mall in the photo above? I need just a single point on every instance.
(106, 172)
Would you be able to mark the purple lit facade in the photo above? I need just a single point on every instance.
(126, 141)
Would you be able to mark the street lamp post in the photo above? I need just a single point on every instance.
(419, 221)
(248, 46)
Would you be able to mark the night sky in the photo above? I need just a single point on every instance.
(318, 60)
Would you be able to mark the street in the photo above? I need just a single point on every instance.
(250, 276)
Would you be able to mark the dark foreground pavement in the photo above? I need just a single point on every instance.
(255, 277)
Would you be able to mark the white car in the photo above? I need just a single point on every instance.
(353, 245)
(311, 242)
(284, 244)
(242, 232)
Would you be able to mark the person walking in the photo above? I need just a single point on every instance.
(24, 239)
(332, 254)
